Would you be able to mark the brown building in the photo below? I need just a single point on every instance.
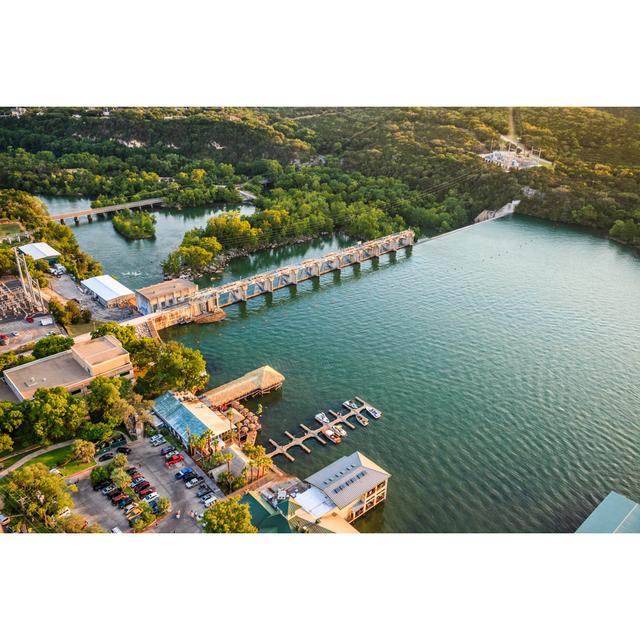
(164, 294)
(73, 369)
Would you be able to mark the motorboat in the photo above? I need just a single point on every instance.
(350, 404)
(322, 417)
(361, 419)
(374, 412)
(332, 436)
(339, 430)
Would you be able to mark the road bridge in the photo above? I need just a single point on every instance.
(88, 213)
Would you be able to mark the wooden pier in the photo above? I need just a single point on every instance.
(299, 441)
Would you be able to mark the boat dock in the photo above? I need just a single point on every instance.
(341, 419)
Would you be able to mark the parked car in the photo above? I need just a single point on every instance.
(125, 450)
(147, 491)
(134, 513)
(132, 470)
(110, 487)
(114, 492)
(142, 485)
(151, 497)
(136, 476)
(105, 457)
(209, 500)
(170, 463)
(158, 442)
(157, 436)
(188, 476)
(138, 480)
(119, 496)
(129, 508)
(124, 502)
(166, 450)
(134, 520)
(116, 530)
(170, 454)
(203, 491)
(118, 440)
(193, 482)
(101, 485)
(183, 472)
(176, 457)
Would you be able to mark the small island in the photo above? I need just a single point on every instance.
(135, 225)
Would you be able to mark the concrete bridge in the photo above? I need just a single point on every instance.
(88, 213)
(243, 290)
(212, 300)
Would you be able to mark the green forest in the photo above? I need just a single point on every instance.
(364, 172)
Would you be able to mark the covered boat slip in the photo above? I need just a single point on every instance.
(615, 514)
(257, 382)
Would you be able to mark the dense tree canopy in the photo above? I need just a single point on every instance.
(228, 516)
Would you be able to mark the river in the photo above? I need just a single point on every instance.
(505, 358)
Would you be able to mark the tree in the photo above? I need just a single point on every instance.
(99, 474)
(120, 478)
(50, 345)
(178, 367)
(106, 403)
(125, 334)
(54, 414)
(83, 450)
(11, 419)
(76, 523)
(120, 460)
(228, 516)
(35, 496)
(164, 504)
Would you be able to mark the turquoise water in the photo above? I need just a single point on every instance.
(505, 358)
(135, 263)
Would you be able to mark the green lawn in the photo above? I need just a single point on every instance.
(57, 458)
(78, 329)
(7, 462)
(9, 229)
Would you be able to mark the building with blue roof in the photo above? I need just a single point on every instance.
(615, 514)
(186, 416)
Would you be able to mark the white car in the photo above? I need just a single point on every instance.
(193, 482)
(116, 530)
(209, 500)
(151, 497)
(157, 443)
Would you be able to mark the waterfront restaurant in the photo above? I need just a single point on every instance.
(348, 488)
(187, 417)
(73, 369)
(164, 294)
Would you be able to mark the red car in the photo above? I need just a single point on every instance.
(174, 460)
(135, 476)
(147, 491)
(118, 497)
(141, 486)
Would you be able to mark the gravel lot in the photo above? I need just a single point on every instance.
(97, 508)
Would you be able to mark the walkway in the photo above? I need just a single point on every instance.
(34, 454)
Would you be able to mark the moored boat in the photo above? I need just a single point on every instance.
(339, 430)
(374, 412)
(322, 418)
(350, 404)
(361, 419)
(332, 436)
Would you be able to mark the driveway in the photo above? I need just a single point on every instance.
(97, 508)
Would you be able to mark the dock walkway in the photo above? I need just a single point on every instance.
(299, 441)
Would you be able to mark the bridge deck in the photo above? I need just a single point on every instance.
(69, 215)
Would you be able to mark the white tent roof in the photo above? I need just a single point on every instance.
(39, 250)
(106, 287)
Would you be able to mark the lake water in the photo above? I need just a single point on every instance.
(505, 358)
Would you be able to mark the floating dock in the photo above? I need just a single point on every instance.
(299, 441)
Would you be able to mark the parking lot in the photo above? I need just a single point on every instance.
(98, 508)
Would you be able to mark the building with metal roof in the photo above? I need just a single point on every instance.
(256, 382)
(40, 251)
(164, 294)
(355, 484)
(615, 514)
(187, 416)
(108, 291)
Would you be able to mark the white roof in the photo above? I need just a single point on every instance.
(314, 502)
(39, 250)
(106, 287)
